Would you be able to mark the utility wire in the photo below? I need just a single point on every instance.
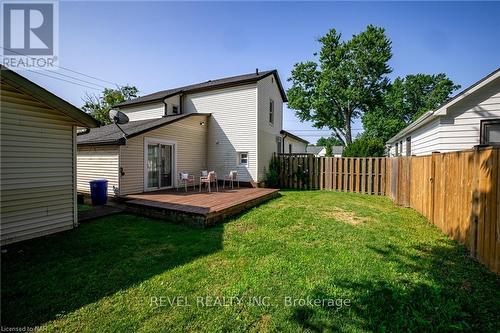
(73, 71)
(58, 78)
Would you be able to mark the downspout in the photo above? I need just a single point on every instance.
(181, 99)
(165, 112)
(283, 143)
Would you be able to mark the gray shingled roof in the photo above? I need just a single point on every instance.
(314, 149)
(111, 134)
(207, 85)
(337, 150)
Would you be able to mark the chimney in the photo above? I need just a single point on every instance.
(256, 71)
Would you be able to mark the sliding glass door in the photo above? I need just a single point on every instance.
(159, 166)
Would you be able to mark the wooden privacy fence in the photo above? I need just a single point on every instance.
(459, 192)
(349, 174)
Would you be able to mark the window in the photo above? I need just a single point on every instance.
(278, 144)
(490, 132)
(397, 151)
(290, 148)
(243, 158)
(271, 112)
(175, 109)
(408, 146)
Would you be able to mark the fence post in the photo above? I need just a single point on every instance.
(475, 205)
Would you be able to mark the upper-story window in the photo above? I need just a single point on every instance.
(175, 109)
(290, 148)
(408, 146)
(271, 112)
(490, 132)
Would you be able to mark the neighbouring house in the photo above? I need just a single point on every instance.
(226, 124)
(38, 159)
(470, 118)
(292, 144)
(319, 151)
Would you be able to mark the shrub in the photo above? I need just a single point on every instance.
(364, 147)
(272, 175)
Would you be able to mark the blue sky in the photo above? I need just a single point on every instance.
(159, 45)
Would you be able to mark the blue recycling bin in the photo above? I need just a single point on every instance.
(99, 191)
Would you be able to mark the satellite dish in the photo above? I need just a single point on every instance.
(117, 117)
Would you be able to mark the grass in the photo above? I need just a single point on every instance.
(84, 208)
(386, 268)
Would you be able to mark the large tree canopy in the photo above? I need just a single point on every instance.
(99, 106)
(348, 79)
(405, 100)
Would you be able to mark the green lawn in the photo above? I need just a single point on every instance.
(372, 266)
(84, 208)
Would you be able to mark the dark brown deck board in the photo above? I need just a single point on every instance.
(211, 206)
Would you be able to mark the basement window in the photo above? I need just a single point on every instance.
(490, 132)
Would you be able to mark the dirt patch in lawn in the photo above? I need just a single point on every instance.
(345, 216)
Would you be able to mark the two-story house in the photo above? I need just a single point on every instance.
(226, 124)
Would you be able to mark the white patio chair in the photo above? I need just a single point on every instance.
(233, 176)
(186, 180)
(209, 179)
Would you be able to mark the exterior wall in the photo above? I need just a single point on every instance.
(191, 152)
(463, 131)
(459, 129)
(37, 163)
(97, 162)
(151, 110)
(268, 133)
(232, 127)
(297, 146)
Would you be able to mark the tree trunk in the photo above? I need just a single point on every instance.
(348, 133)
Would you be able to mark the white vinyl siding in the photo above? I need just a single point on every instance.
(37, 163)
(297, 146)
(464, 132)
(459, 129)
(151, 110)
(267, 133)
(232, 127)
(191, 151)
(97, 162)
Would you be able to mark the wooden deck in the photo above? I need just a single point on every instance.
(193, 207)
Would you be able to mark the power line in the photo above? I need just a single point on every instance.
(73, 71)
(58, 78)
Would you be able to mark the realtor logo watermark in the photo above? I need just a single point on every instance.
(30, 34)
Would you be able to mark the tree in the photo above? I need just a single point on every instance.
(348, 79)
(328, 143)
(99, 106)
(365, 146)
(331, 141)
(405, 100)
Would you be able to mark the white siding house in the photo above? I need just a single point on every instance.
(293, 144)
(38, 155)
(222, 125)
(471, 118)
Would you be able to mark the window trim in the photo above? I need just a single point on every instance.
(271, 112)
(239, 158)
(482, 131)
